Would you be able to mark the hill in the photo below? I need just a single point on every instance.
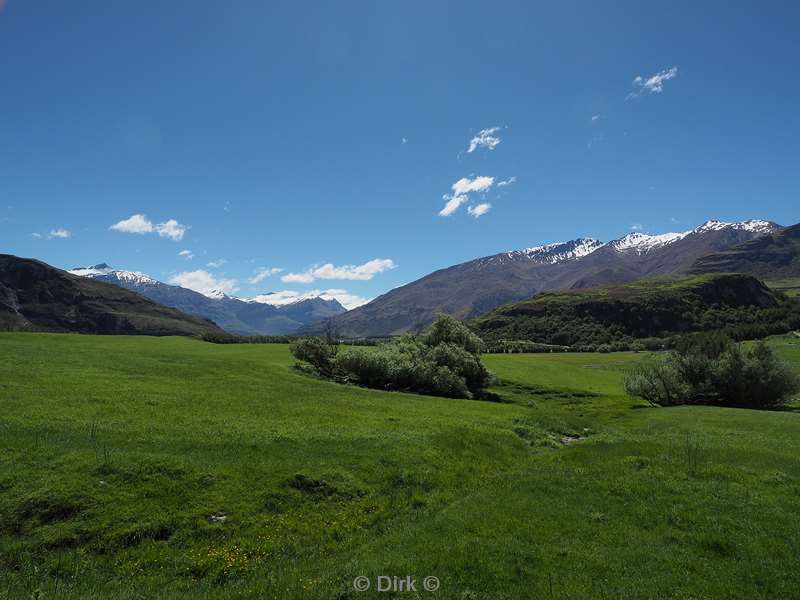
(235, 315)
(478, 286)
(37, 297)
(772, 257)
(651, 308)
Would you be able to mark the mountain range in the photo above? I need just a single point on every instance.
(37, 297)
(772, 256)
(481, 285)
(235, 315)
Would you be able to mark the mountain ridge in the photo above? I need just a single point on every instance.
(477, 286)
(35, 296)
(234, 315)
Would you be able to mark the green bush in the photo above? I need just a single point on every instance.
(711, 369)
(316, 352)
(443, 361)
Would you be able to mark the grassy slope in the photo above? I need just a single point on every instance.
(789, 286)
(654, 307)
(115, 452)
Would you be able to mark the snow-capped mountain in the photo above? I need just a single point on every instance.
(642, 242)
(105, 272)
(478, 286)
(558, 251)
(235, 315)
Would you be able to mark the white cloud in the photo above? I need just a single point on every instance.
(216, 264)
(350, 272)
(140, 224)
(297, 278)
(134, 224)
(171, 229)
(349, 301)
(508, 181)
(187, 254)
(481, 209)
(59, 233)
(595, 117)
(204, 282)
(653, 84)
(484, 139)
(637, 227)
(263, 273)
(461, 190)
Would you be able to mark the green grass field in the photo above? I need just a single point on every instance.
(790, 286)
(135, 467)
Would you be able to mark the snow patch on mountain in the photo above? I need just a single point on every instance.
(643, 242)
(753, 225)
(557, 252)
(106, 272)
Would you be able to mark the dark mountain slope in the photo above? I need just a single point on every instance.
(35, 296)
(658, 307)
(480, 285)
(774, 256)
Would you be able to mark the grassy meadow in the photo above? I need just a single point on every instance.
(136, 467)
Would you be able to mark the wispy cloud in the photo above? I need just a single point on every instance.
(508, 181)
(263, 273)
(486, 138)
(216, 264)
(346, 299)
(204, 282)
(595, 118)
(461, 190)
(481, 209)
(637, 227)
(140, 224)
(363, 272)
(653, 84)
(187, 254)
(59, 233)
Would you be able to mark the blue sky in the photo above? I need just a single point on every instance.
(284, 135)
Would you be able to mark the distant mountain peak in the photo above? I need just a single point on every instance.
(643, 242)
(104, 271)
(752, 225)
(555, 252)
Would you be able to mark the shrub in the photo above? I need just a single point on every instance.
(316, 352)
(444, 361)
(711, 369)
(449, 330)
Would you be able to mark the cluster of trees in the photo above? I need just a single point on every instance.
(710, 368)
(442, 361)
(232, 338)
(564, 326)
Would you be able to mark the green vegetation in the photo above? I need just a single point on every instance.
(644, 314)
(789, 286)
(708, 368)
(136, 467)
(443, 361)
